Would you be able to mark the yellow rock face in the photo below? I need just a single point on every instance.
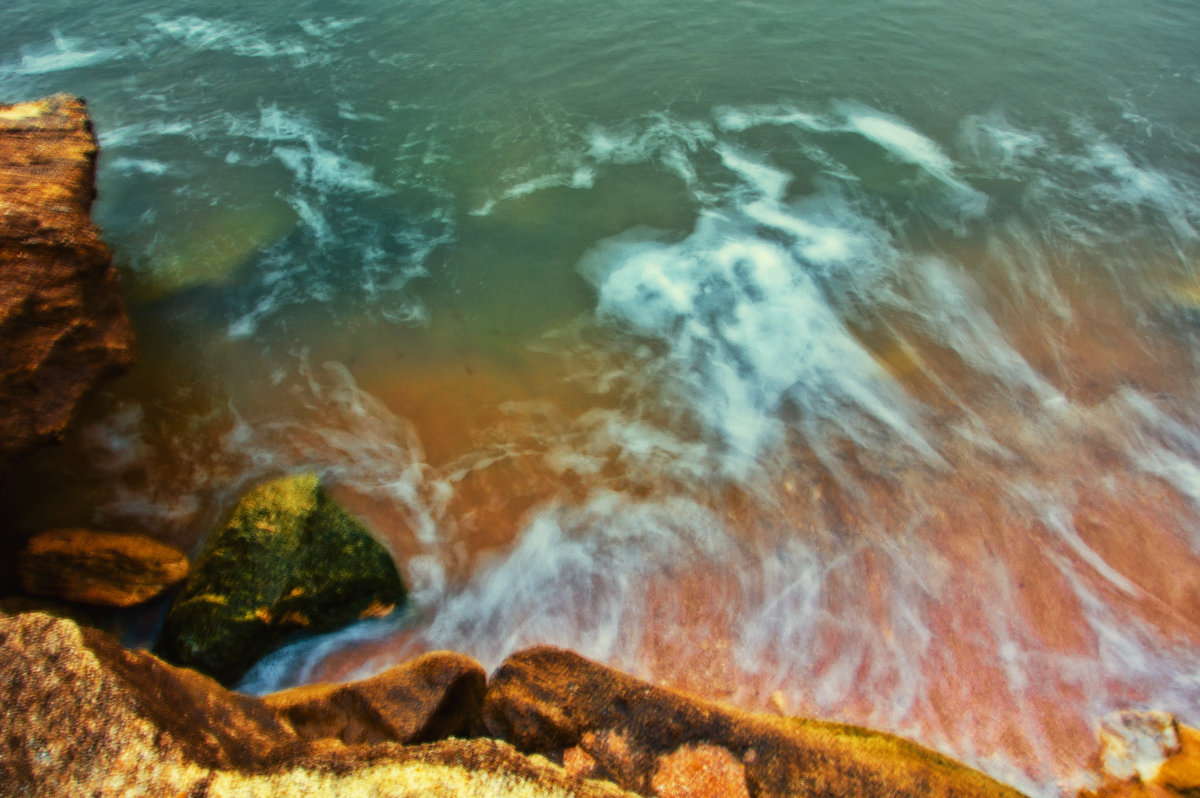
(104, 568)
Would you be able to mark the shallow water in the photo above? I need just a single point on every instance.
(842, 357)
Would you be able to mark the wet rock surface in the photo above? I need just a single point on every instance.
(548, 701)
(62, 318)
(289, 560)
(103, 568)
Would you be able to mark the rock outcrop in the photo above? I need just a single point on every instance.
(103, 568)
(437, 695)
(62, 318)
(84, 717)
(1147, 755)
(289, 560)
(557, 704)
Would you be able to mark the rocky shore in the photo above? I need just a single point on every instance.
(84, 716)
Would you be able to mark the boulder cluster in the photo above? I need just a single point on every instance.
(85, 717)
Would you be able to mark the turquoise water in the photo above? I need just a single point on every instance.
(838, 354)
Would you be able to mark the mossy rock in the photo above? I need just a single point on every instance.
(289, 560)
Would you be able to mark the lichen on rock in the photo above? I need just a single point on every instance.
(289, 559)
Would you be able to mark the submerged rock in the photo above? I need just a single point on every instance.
(104, 568)
(289, 560)
(85, 717)
(62, 318)
(644, 738)
(1147, 755)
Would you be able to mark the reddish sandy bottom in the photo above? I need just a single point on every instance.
(994, 606)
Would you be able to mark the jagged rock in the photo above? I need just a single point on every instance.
(105, 568)
(547, 701)
(435, 696)
(62, 319)
(290, 559)
(1147, 755)
(84, 717)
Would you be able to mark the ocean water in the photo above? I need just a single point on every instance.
(838, 357)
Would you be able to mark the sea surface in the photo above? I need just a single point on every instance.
(835, 358)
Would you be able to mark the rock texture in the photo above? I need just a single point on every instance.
(104, 568)
(82, 717)
(62, 319)
(549, 701)
(290, 559)
(435, 696)
(1147, 755)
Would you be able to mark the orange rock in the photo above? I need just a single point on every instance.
(105, 568)
(62, 318)
(699, 771)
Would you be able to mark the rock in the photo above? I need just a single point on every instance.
(699, 771)
(547, 700)
(62, 319)
(85, 717)
(435, 696)
(290, 559)
(1146, 755)
(1137, 744)
(109, 569)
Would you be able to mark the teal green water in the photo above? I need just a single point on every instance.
(875, 318)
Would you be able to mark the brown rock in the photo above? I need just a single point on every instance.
(699, 771)
(84, 717)
(105, 568)
(547, 700)
(435, 696)
(62, 319)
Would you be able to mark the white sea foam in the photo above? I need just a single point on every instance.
(147, 166)
(328, 171)
(200, 34)
(737, 120)
(659, 138)
(897, 138)
(1135, 185)
(590, 558)
(65, 54)
(996, 144)
(138, 133)
(950, 309)
(328, 27)
(748, 330)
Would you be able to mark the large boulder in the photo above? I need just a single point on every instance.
(289, 560)
(104, 568)
(654, 741)
(84, 717)
(62, 319)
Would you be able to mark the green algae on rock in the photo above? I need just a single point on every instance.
(289, 560)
